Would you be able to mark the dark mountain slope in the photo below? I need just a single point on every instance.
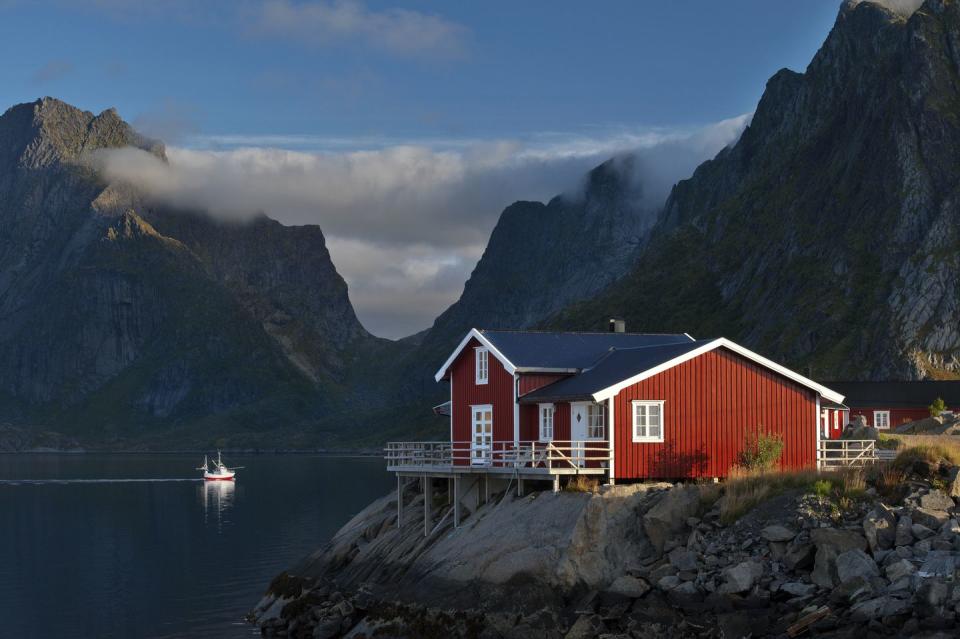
(541, 258)
(121, 321)
(827, 237)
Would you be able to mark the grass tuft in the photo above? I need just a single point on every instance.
(582, 484)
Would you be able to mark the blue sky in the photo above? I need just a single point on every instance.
(431, 95)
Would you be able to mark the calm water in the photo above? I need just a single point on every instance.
(134, 546)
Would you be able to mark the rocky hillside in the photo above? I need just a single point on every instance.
(827, 237)
(122, 321)
(833, 555)
(543, 257)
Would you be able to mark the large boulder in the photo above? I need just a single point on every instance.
(831, 543)
(855, 563)
(632, 587)
(776, 532)
(879, 527)
(904, 531)
(936, 500)
(740, 578)
(932, 519)
(953, 481)
(668, 518)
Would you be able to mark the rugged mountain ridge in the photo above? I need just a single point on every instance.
(827, 236)
(543, 257)
(122, 320)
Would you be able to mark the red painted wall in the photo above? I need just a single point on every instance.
(530, 382)
(897, 415)
(465, 392)
(710, 403)
(530, 422)
(833, 429)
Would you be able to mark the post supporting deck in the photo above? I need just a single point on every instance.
(556, 483)
(456, 501)
(399, 501)
(519, 486)
(427, 504)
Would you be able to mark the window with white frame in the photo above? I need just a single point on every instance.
(881, 419)
(648, 421)
(546, 422)
(483, 365)
(596, 421)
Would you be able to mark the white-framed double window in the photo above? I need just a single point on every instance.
(547, 412)
(648, 421)
(482, 365)
(596, 421)
(881, 419)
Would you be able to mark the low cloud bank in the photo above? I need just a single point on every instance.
(405, 224)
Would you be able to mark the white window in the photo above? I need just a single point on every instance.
(483, 365)
(881, 419)
(648, 421)
(596, 421)
(546, 422)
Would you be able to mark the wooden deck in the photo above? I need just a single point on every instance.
(528, 458)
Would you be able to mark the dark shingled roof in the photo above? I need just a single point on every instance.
(536, 349)
(897, 394)
(617, 366)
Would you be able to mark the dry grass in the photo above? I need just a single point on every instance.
(743, 490)
(932, 449)
(582, 484)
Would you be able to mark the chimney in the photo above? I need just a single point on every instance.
(618, 325)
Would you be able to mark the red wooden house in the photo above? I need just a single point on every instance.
(889, 404)
(625, 406)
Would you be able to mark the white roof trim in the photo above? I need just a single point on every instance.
(611, 391)
(477, 335)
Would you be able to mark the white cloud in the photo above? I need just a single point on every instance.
(406, 223)
(324, 22)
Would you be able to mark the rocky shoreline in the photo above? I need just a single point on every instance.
(876, 556)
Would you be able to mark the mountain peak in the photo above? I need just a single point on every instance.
(50, 131)
(901, 8)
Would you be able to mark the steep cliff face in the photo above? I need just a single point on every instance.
(827, 236)
(543, 257)
(121, 320)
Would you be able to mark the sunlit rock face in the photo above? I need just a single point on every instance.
(827, 237)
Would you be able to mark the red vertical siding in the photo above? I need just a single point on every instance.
(530, 382)
(498, 392)
(530, 422)
(710, 404)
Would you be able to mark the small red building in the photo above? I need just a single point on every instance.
(886, 405)
(622, 405)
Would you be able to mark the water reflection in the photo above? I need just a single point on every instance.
(217, 497)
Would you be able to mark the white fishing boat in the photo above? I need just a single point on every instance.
(220, 472)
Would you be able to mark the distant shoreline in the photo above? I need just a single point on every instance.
(201, 451)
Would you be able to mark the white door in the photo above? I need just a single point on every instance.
(481, 446)
(578, 432)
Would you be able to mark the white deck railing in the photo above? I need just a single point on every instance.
(499, 455)
(843, 453)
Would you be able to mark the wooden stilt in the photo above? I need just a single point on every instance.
(456, 501)
(399, 501)
(427, 504)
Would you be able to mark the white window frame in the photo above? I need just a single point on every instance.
(876, 423)
(593, 410)
(482, 364)
(637, 439)
(547, 425)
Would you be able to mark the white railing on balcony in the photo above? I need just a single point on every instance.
(503, 455)
(843, 453)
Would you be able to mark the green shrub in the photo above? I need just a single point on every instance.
(822, 487)
(937, 407)
(761, 451)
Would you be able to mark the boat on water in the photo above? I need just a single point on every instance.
(220, 472)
